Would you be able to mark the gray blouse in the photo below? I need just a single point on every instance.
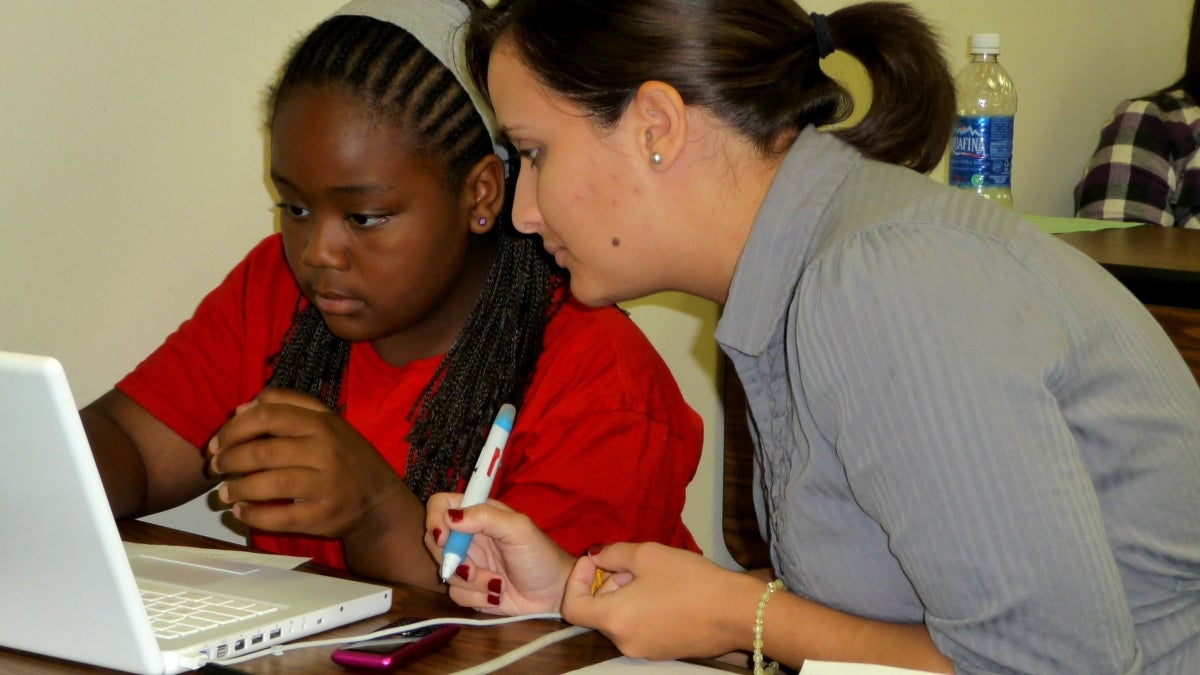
(963, 421)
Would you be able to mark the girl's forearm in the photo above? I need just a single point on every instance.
(389, 543)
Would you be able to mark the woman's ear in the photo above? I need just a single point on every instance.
(659, 117)
(484, 192)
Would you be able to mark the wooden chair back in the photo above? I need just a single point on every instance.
(739, 525)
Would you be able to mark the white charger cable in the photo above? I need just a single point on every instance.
(524, 650)
(481, 669)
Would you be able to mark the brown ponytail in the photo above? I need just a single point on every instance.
(912, 104)
(752, 63)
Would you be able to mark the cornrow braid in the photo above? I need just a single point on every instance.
(493, 359)
(389, 70)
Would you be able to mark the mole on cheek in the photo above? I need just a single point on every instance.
(616, 242)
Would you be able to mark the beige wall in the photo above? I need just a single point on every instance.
(1071, 61)
(131, 164)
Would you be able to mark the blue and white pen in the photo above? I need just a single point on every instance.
(479, 486)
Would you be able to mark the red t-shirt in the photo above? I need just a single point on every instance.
(602, 449)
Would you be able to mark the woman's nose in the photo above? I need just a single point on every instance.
(527, 219)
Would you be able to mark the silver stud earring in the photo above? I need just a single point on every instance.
(655, 158)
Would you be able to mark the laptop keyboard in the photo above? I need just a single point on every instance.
(178, 612)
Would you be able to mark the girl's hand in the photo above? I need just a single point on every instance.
(511, 568)
(290, 464)
(695, 607)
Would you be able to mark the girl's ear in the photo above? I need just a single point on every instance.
(484, 192)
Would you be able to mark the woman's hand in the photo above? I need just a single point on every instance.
(696, 608)
(511, 568)
(290, 464)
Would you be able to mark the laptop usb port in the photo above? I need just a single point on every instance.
(256, 639)
(276, 633)
(239, 645)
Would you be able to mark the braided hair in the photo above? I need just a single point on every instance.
(493, 359)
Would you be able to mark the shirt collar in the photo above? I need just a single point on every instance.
(784, 234)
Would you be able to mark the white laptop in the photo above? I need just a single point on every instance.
(69, 590)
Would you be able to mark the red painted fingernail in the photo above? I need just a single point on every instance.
(493, 600)
(456, 515)
(495, 585)
(437, 534)
(462, 571)
(595, 549)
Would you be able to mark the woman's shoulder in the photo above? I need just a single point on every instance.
(1166, 121)
(1170, 105)
(1167, 100)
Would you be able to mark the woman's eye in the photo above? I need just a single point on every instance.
(364, 220)
(531, 154)
(291, 210)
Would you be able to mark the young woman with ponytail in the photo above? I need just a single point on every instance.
(976, 451)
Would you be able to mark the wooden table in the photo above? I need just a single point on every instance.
(1161, 266)
(472, 646)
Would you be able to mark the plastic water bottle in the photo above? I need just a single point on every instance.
(982, 145)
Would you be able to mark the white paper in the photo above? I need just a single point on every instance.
(283, 562)
(837, 668)
(627, 666)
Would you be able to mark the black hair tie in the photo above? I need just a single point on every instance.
(821, 29)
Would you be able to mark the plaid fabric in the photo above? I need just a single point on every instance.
(1146, 168)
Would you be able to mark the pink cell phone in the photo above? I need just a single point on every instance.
(389, 653)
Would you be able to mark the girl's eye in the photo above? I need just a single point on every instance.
(367, 221)
(292, 210)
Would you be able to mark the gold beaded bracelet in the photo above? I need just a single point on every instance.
(773, 666)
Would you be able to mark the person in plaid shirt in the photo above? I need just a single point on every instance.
(1146, 168)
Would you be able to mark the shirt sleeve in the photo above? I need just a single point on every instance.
(217, 358)
(604, 445)
(1130, 177)
(934, 369)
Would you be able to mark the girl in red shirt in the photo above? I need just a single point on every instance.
(349, 367)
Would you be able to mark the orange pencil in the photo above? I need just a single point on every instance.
(601, 575)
